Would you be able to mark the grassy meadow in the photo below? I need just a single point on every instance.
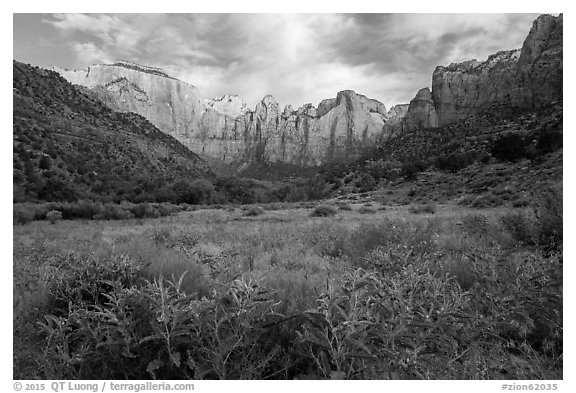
(352, 289)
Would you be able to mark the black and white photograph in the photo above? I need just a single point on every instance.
(287, 196)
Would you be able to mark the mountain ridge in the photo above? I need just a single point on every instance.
(69, 146)
(337, 128)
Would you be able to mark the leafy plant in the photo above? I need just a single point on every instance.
(323, 211)
(53, 216)
(253, 211)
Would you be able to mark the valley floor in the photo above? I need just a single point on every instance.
(372, 292)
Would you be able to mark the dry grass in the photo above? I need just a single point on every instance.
(296, 260)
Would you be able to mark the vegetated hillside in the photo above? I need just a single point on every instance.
(476, 135)
(525, 145)
(69, 146)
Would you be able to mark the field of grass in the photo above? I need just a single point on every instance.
(370, 292)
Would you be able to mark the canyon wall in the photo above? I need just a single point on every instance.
(524, 78)
(224, 128)
(338, 128)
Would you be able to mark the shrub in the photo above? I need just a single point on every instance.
(145, 210)
(365, 182)
(253, 211)
(484, 157)
(549, 141)
(509, 147)
(454, 162)
(520, 226)
(366, 210)
(81, 209)
(22, 214)
(544, 227)
(548, 212)
(112, 211)
(383, 169)
(520, 203)
(427, 208)
(53, 216)
(193, 192)
(344, 206)
(411, 169)
(414, 309)
(168, 209)
(475, 224)
(483, 201)
(275, 206)
(158, 331)
(323, 211)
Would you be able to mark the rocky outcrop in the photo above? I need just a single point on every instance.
(421, 112)
(397, 112)
(173, 106)
(339, 128)
(463, 89)
(229, 105)
(336, 131)
(224, 128)
(540, 63)
(522, 78)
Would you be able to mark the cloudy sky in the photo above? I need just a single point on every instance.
(298, 58)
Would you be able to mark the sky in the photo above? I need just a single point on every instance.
(297, 58)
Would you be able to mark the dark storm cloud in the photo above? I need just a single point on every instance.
(298, 58)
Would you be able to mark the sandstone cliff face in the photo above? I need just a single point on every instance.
(421, 112)
(524, 78)
(224, 128)
(229, 105)
(460, 90)
(336, 131)
(339, 128)
(397, 112)
(540, 64)
(171, 105)
(206, 126)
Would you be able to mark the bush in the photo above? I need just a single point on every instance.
(53, 216)
(112, 211)
(22, 214)
(427, 208)
(145, 210)
(509, 147)
(323, 211)
(253, 211)
(411, 168)
(549, 141)
(83, 209)
(414, 309)
(366, 210)
(543, 226)
(548, 212)
(158, 331)
(195, 192)
(365, 182)
(475, 224)
(483, 201)
(520, 203)
(520, 226)
(389, 170)
(167, 209)
(453, 162)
